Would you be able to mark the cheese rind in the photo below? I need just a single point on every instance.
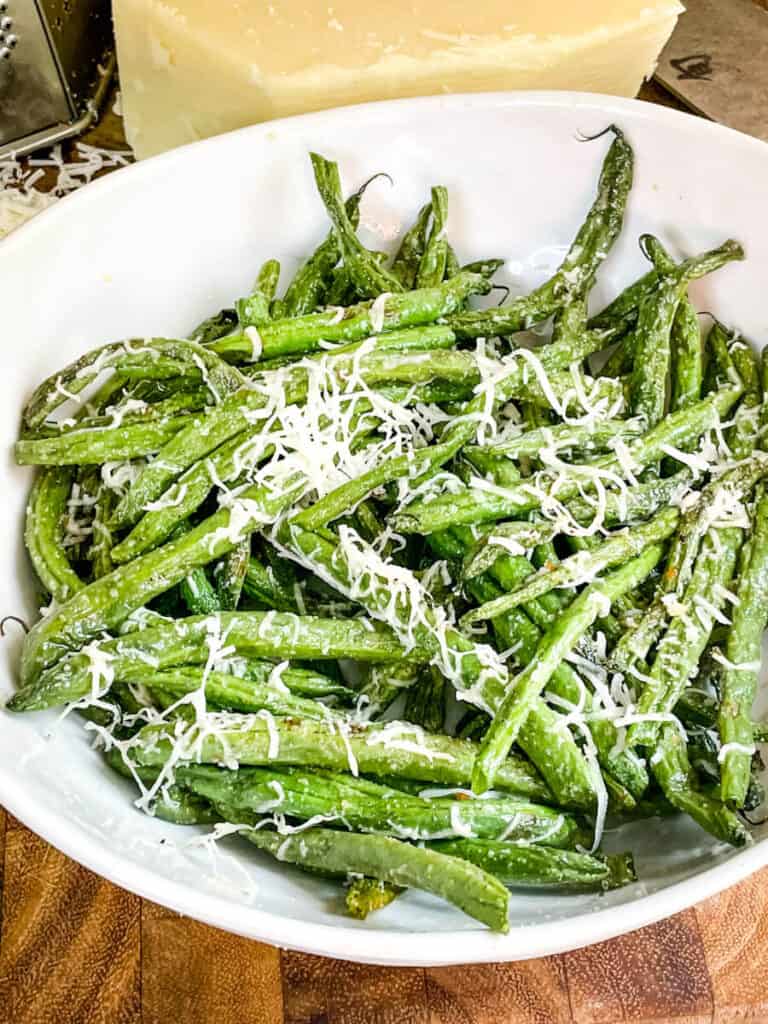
(190, 69)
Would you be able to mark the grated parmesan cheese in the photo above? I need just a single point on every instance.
(20, 200)
(737, 748)
(377, 312)
(257, 346)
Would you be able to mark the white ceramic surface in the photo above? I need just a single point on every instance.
(154, 248)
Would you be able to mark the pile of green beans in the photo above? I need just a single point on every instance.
(279, 554)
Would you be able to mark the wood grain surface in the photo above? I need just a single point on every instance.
(75, 949)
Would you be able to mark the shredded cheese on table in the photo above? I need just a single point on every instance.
(20, 199)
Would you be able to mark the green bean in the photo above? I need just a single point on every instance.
(424, 338)
(198, 594)
(397, 749)
(584, 565)
(474, 507)
(696, 707)
(673, 773)
(589, 437)
(634, 645)
(268, 278)
(553, 647)
(235, 414)
(341, 291)
(731, 486)
(100, 551)
(77, 524)
(408, 257)
(425, 701)
(653, 348)
(152, 358)
(107, 602)
(368, 523)
(231, 693)
(621, 360)
(227, 466)
(468, 887)
(261, 584)
(365, 895)
(198, 438)
(173, 803)
(254, 310)
(743, 434)
(561, 765)
(486, 267)
(541, 866)
(561, 390)
(510, 571)
(368, 275)
(94, 446)
(373, 807)
(301, 335)
(576, 274)
(233, 460)
(214, 327)
(265, 679)
(261, 634)
(570, 322)
(182, 498)
(307, 288)
(687, 635)
(498, 469)
(704, 748)
(542, 736)
(687, 357)
(195, 590)
(548, 742)
(743, 652)
(383, 683)
(452, 265)
(142, 402)
(304, 682)
(405, 265)
(230, 575)
(433, 260)
(622, 312)
(677, 429)
(353, 568)
(458, 434)
(473, 725)
(47, 509)
(414, 367)
(497, 541)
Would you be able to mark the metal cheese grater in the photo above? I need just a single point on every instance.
(56, 62)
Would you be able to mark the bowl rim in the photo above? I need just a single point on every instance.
(380, 946)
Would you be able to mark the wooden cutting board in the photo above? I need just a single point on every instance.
(75, 949)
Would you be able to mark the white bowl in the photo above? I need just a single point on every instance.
(154, 248)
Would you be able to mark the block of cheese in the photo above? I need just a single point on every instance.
(193, 68)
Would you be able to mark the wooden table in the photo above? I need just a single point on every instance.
(75, 949)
